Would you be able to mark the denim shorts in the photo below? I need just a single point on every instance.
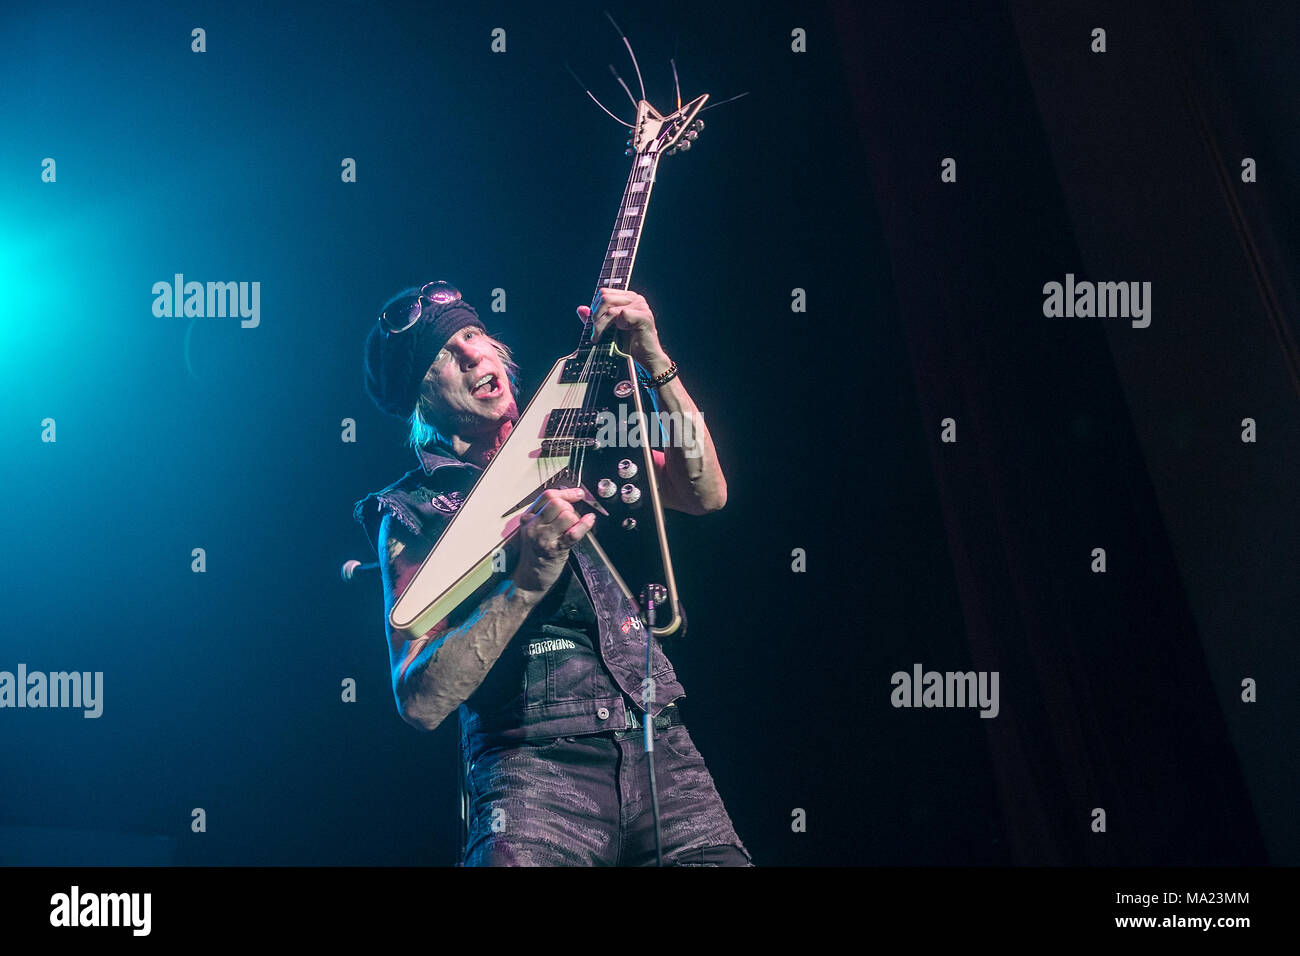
(585, 801)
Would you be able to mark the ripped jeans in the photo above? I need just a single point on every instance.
(585, 801)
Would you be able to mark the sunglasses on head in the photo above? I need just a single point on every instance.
(405, 312)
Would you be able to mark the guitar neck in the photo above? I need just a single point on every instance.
(620, 255)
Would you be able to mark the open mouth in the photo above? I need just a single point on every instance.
(489, 386)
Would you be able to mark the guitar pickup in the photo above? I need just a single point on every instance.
(581, 369)
(573, 423)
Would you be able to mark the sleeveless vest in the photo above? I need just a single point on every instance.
(573, 665)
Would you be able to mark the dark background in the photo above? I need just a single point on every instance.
(222, 690)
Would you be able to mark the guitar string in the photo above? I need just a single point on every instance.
(571, 419)
(598, 357)
(595, 381)
(646, 177)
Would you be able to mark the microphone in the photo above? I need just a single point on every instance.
(352, 567)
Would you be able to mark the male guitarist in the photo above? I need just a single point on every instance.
(547, 669)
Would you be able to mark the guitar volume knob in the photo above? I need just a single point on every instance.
(606, 488)
(630, 494)
(627, 469)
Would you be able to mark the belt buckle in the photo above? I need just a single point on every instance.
(661, 722)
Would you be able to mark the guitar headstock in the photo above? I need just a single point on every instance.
(656, 134)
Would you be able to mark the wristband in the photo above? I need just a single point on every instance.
(663, 378)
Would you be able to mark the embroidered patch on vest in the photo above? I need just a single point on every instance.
(448, 502)
(545, 647)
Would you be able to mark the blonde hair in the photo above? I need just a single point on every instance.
(422, 429)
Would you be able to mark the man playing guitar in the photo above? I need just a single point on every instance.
(542, 671)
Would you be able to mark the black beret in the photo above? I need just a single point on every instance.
(396, 362)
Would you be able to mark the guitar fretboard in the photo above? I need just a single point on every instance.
(621, 253)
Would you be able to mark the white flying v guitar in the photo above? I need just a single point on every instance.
(559, 442)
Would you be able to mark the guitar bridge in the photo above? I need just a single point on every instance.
(563, 447)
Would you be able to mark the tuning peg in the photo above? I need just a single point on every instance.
(628, 143)
(692, 134)
(684, 144)
(699, 125)
(629, 151)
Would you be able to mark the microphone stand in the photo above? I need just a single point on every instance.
(648, 599)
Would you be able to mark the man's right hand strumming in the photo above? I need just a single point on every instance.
(434, 674)
(548, 530)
